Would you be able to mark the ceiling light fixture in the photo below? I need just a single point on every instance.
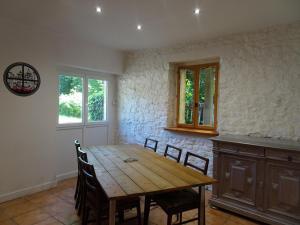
(139, 27)
(197, 11)
(98, 9)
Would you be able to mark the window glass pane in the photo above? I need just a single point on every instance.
(70, 99)
(96, 100)
(186, 95)
(206, 96)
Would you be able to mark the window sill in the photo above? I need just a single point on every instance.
(193, 131)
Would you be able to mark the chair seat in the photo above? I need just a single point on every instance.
(128, 203)
(177, 201)
(122, 204)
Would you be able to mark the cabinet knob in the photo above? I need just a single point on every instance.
(249, 180)
(237, 162)
(227, 174)
(274, 186)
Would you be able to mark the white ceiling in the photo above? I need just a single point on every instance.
(165, 22)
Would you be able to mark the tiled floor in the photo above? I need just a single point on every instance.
(56, 207)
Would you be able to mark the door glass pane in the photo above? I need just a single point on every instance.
(186, 96)
(96, 100)
(70, 99)
(206, 96)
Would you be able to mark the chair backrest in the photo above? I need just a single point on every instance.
(77, 145)
(91, 183)
(203, 161)
(151, 143)
(170, 154)
(82, 154)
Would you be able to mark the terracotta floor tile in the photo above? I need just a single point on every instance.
(3, 216)
(8, 222)
(67, 219)
(12, 202)
(66, 194)
(32, 217)
(235, 220)
(45, 200)
(18, 209)
(56, 207)
(60, 207)
(50, 221)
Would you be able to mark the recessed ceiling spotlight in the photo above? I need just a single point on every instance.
(98, 9)
(196, 11)
(139, 27)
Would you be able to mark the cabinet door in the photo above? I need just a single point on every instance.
(238, 179)
(283, 188)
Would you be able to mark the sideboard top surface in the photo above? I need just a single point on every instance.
(262, 142)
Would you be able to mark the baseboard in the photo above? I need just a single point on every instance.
(37, 188)
(64, 176)
(27, 191)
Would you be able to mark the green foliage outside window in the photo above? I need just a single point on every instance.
(189, 97)
(70, 99)
(95, 100)
(69, 84)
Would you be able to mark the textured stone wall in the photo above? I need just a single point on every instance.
(259, 88)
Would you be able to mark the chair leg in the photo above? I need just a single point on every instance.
(82, 199)
(199, 217)
(147, 209)
(77, 188)
(138, 214)
(83, 218)
(121, 216)
(80, 204)
(169, 222)
(180, 217)
(78, 197)
(98, 218)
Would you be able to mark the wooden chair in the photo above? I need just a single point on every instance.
(151, 143)
(77, 145)
(177, 202)
(168, 153)
(96, 200)
(79, 198)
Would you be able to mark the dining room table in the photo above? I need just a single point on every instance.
(129, 170)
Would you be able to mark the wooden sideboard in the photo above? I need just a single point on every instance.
(258, 178)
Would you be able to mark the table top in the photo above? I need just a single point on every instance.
(131, 170)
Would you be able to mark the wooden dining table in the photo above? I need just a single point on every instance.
(131, 170)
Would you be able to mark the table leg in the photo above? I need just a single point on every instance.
(112, 212)
(202, 205)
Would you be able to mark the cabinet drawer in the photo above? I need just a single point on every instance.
(288, 156)
(247, 150)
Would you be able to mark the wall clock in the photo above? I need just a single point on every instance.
(21, 79)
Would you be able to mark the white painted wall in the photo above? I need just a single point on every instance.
(28, 160)
(259, 88)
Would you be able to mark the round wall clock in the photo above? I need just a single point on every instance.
(21, 79)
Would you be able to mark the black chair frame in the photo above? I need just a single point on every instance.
(177, 210)
(188, 164)
(146, 144)
(168, 154)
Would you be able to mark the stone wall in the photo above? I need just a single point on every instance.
(259, 88)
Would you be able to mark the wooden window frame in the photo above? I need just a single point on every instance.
(195, 125)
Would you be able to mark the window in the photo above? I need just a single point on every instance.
(96, 100)
(197, 97)
(81, 100)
